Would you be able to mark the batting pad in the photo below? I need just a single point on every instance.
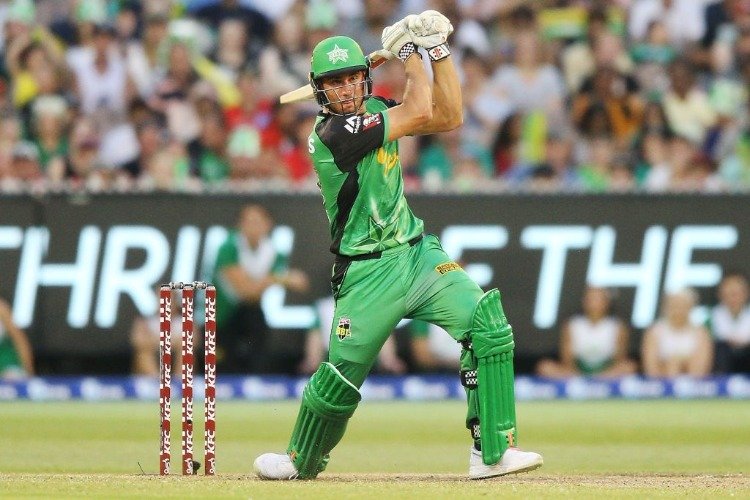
(328, 401)
(492, 343)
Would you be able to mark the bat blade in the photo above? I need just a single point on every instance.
(306, 93)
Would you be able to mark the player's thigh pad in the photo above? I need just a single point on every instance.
(328, 401)
(492, 346)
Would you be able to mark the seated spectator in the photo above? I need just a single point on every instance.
(673, 345)
(592, 343)
(24, 166)
(208, 156)
(687, 106)
(527, 84)
(16, 356)
(318, 338)
(49, 119)
(652, 56)
(616, 95)
(682, 20)
(246, 265)
(729, 324)
(102, 81)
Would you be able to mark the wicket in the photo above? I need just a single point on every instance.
(165, 375)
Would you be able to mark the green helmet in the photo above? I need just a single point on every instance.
(335, 55)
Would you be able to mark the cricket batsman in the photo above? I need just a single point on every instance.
(386, 268)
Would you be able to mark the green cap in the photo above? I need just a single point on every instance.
(336, 54)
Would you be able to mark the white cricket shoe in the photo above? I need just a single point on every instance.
(275, 466)
(513, 461)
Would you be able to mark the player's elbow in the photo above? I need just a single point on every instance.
(423, 113)
(455, 121)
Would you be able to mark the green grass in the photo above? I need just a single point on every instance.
(629, 449)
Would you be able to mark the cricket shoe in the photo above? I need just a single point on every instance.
(275, 466)
(513, 461)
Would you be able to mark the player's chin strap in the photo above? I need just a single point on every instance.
(487, 374)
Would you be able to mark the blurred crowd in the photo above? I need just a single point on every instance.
(559, 95)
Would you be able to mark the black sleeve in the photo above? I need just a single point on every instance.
(350, 138)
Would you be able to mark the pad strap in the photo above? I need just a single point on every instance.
(469, 379)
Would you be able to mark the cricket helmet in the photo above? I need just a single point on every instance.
(334, 56)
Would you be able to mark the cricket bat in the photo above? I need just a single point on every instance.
(306, 93)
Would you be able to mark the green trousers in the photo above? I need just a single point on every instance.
(416, 281)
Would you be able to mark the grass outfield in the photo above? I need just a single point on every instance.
(629, 449)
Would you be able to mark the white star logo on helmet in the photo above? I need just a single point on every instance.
(338, 54)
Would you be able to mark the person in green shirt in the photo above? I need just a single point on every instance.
(385, 267)
(16, 355)
(246, 265)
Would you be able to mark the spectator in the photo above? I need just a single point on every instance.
(682, 19)
(368, 26)
(282, 64)
(102, 81)
(319, 336)
(81, 168)
(16, 355)
(595, 173)
(151, 140)
(208, 156)
(439, 160)
(142, 55)
(49, 120)
(247, 264)
(652, 56)
(673, 345)
(729, 324)
(296, 156)
(686, 105)
(528, 84)
(231, 50)
(593, 342)
(610, 93)
(258, 28)
(25, 164)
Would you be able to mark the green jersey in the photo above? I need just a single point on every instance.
(360, 177)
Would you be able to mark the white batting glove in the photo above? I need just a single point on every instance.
(429, 29)
(397, 39)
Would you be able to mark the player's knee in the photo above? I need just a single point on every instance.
(490, 332)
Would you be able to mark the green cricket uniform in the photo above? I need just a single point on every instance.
(384, 269)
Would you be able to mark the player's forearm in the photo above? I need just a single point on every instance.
(446, 94)
(418, 93)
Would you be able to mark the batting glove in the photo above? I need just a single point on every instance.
(397, 40)
(430, 30)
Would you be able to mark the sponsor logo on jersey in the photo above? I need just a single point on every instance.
(353, 124)
(344, 328)
(338, 54)
(447, 267)
(388, 160)
(370, 121)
